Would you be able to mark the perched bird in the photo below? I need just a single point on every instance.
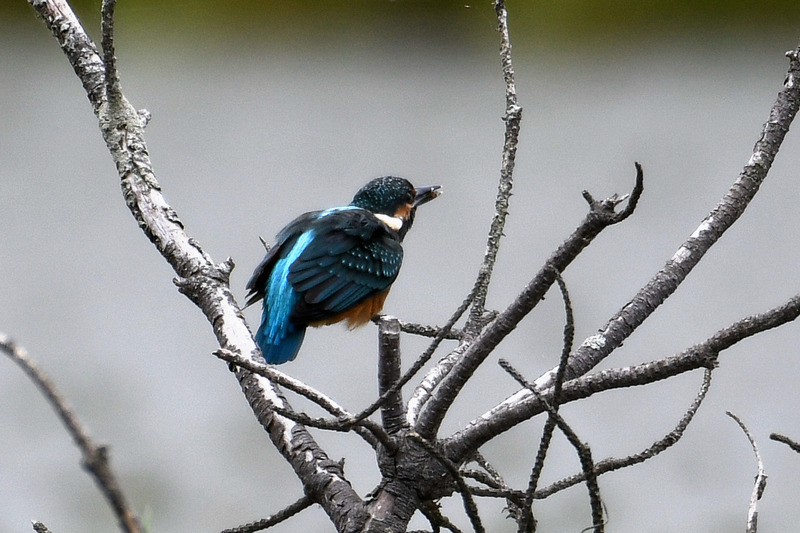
(333, 265)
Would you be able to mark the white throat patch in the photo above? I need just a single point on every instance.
(393, 222)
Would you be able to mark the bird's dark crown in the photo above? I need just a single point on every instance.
(394, 201)
(385, 195)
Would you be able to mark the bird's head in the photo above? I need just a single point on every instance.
(394, 200)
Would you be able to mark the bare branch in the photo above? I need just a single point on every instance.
(366, 429)
(424, 330)
(600, 216)
(761, 479)
(279, 378)
(113, 90)
(524, 404)
(569, 336)
(477, 296)
(720, 219)
(392, 410)
(515, 500)
(433, 513)
(611, 464)
(95, 456)
(420, 394)
(287, 512)
(512, 118)
(552, 418)
(584, 455)
(203, 281)
(463, 488)
(39, 527)
(78, 47)
(794, 445)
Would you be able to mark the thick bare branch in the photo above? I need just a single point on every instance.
(392, 411)
(665, 282)
(720, 219)
(203, 281)
(524, 405)
(76, 44)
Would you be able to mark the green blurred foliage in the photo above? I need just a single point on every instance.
(563, 23)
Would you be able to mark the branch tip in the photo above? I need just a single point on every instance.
(794, 445)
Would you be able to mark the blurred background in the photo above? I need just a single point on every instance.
(263, 110)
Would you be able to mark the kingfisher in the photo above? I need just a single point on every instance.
(333, 265)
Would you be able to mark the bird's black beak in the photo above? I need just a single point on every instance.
(426, 194)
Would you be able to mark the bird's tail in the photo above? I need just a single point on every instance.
(284, 349)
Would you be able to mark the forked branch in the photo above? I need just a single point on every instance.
(525, 405)
(600, 216)
(656, 291)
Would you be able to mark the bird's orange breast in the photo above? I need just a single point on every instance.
(358, 315)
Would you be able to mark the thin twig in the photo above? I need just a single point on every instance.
(483, 477)
(760, 482)
(527, 520)
(568, 338)
(512, 118)
(611, 464)
(584, 455)
(515, 500)
(95, 456)
(287, 512)
(433, 513)
(510, 495)
(370, 431)
(425, 330)
(279, 378)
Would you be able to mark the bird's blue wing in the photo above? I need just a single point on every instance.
(278, 338)
(284, 241)
(323, 264)
(352, 257)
